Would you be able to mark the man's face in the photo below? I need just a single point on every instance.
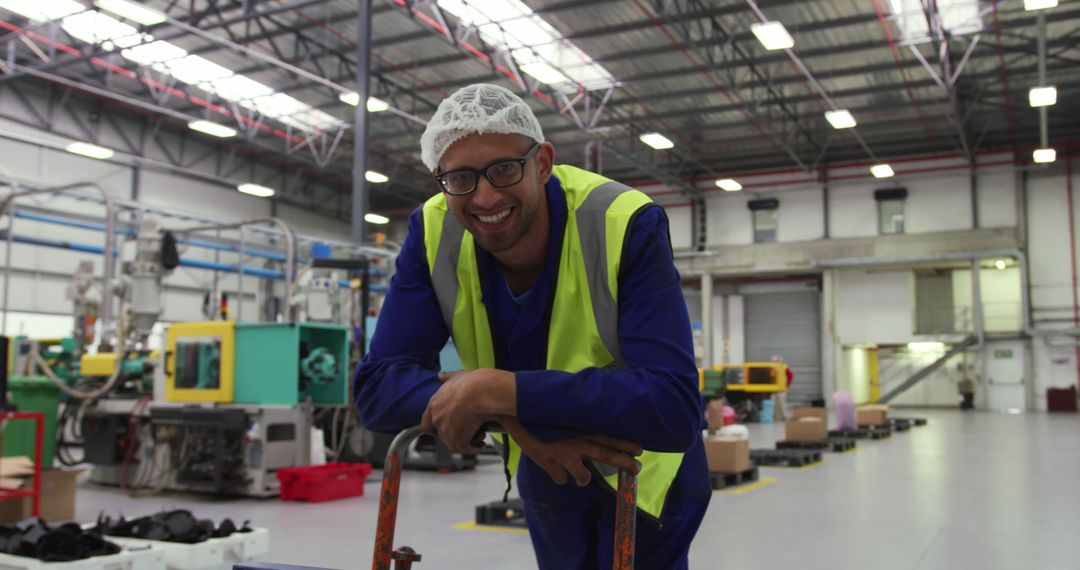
(498, 218)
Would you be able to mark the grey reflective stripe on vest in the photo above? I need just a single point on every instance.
(592, 227)
(444, 273)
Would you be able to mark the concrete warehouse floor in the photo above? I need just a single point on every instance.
(978, 490)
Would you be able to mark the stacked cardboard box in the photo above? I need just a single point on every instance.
(872, 415)
(727, 454)
(57, 503)
(820, 413)
(806, 429)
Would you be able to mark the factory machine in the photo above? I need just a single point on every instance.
(223, 404)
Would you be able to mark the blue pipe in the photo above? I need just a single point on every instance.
(49, 219)
(184, 262)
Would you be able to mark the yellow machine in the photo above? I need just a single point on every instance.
(749, 377)
(199, 362)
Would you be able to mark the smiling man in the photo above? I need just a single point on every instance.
(560, 292)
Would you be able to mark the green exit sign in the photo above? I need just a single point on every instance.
(1003, 354)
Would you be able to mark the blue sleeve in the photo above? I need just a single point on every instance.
(655, 401)
(394, 382)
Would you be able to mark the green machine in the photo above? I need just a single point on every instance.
(287, 363)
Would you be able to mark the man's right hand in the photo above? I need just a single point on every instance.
(566, 458)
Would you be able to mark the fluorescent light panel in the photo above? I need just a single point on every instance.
(213, 129)
(882, 171)
(926, 346)
(1030, 5)
(376, 219)
(1044, 155)
(840, 119)
(374, 104)
(256, 190)
(132, 11)
(375, 177)
(772, 35)
(90, 150)
(728, 185)
(657, 141)
(1042, 96)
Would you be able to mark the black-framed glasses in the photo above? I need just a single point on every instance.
(501, 174)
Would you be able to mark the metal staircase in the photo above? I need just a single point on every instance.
(920, 375)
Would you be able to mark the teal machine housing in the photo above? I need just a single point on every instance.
(286, 363)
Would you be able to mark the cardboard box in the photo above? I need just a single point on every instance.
(57, 498)
(820, 413)
(806, 429)
(714, 413)
(727, 454)
(875, 415)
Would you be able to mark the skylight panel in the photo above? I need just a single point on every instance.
(194, 69)
(237, 88)
(99, 28)
(958, 17)
(154, 52)
(532, 41)
(40, 11)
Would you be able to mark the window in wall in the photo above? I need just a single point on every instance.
(764, 218)
(890, 205)
(934, 312)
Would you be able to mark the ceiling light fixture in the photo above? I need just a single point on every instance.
(1044, 155)
(1000, 264)
(772, 35)
(1030, 5)
(882, 171)
(1042, 96)
(728, 185)
(657, 141)
(132, 11)
(256, 190)
(375, 177)
(376, 219)
(213, 129)
(840, 119)
(374, 104)
(90, 150)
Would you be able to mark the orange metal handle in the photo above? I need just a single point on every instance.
(388, 499)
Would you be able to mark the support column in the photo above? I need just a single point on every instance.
(706, 321)
(360, 129)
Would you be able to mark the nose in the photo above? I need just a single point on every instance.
(485, 196)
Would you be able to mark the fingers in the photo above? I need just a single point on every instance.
(556, 472)
(579, 472)
(448, 375)
(427, 425)
(617, 444)
(612, 457)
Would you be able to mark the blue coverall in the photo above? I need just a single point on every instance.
(653, 402)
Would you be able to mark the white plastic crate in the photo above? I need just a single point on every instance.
(135, 557)
(212, 554)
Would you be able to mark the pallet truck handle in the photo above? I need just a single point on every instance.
(625, 510)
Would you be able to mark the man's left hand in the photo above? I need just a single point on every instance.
(465, 401)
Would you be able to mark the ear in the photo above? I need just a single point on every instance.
(545, 160)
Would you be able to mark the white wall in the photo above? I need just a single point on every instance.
(873, 307)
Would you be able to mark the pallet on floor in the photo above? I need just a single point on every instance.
(866, 432)
(899, 424)
(725, 480)
(917, 422)
(784, 457)
(837, 444)
(509, 514)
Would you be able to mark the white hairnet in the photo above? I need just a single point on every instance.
(476, 109)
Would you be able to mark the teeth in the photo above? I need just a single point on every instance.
(495, 218)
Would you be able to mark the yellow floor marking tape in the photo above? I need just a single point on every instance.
(747, 488)
(471, 525)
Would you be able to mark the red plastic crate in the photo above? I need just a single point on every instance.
(317, 483)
